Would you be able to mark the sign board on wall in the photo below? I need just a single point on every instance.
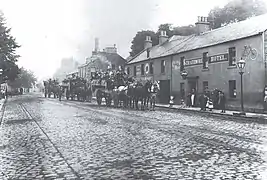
(218, 58)
(192, 62)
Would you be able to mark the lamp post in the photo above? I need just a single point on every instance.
(241, 65)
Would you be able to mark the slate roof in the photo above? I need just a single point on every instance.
(113, 56)
(178, 44)
(110, 56)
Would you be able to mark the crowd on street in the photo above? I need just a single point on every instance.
(207, 101)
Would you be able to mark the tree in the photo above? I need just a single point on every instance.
(234, 11)
(165, 27)
(8, 56)
(25, 79)
(139, 39)
(184, 30)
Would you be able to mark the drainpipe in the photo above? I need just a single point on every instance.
(171, 77)
(153, 66)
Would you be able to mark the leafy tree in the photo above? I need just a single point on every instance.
(25, 79)
(165, 27)
(234, 11)
(8, 56)
(139, 39)
(184, 30)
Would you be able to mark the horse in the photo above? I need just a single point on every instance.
(141, 93)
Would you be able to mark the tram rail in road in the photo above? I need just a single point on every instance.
(30, 117)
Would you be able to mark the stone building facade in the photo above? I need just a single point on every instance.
(209, 58)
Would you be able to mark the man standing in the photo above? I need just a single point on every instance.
(265, 98)
(60, 93)
(222, 101)
(203, 101)
(193, 98)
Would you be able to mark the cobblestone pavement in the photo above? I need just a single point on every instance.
(100, 143)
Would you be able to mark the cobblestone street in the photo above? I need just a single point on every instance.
(47, 139)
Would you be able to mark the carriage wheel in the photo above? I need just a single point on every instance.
(99, 101)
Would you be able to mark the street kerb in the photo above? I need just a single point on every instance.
(258, 119)
(2, 109)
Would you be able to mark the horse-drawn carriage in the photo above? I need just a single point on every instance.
(51, 87)
(76, 88)
(122, 90)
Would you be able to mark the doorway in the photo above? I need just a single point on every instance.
(164, 93)
(192, 84)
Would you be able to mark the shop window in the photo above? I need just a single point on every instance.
(128, 70)
(205, 60)
(205, 86)
(142, 69)
(182, 63)
(232, 56)
(163, 66)
(151, 68)
(232, 89)
(134, 70)
(182, 91)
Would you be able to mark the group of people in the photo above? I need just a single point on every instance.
(208, 100)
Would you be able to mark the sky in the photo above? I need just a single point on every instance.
(49, 30)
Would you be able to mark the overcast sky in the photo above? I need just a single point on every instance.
(49, 30)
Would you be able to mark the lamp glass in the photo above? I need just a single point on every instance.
(241, 64)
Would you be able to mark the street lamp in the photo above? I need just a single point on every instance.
(184, 74)
(241, 65)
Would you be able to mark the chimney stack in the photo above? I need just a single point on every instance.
(96, 45)
(148, 42)
(163, 37)
(202, 25)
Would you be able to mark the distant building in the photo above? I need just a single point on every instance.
(100, 61)
(210, 58)
(68, 65)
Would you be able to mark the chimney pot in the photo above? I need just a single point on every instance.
(148, 42)
(163, 37)
(202, 25)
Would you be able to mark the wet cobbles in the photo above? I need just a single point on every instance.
(101, 143)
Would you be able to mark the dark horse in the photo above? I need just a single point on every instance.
(141, 93)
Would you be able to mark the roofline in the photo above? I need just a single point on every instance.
(129, 63)
(114, 53)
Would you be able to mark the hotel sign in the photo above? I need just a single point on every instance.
(192, 62)
(218, 58)
(199, 61)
